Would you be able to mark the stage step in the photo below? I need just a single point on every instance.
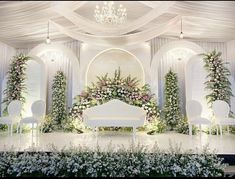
(228, 158)
(230, 171)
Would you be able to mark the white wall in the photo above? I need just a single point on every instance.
(88, 52)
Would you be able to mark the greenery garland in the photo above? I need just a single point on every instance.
(183, 127)
(171, 110)
(16, 88)
(218, 83)
(59, 108)
(124, 89)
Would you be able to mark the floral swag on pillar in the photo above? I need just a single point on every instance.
(16, 87)
(124, 89)
(217, 84)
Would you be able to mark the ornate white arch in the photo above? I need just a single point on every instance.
(106, 50)
(163, 50)
(42, 82)
(42, 48)
(44, 72)
(36, 83)
(194, 61)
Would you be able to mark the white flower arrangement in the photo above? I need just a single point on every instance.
(122, 162)
(16, 87)
(125, 89)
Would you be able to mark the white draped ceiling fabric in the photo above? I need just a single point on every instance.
(25, 23)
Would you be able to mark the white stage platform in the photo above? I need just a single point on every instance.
(224, 145)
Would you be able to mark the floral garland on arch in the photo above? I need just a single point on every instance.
(16, 88)
(124, 89)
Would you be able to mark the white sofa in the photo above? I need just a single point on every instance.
(114, 113)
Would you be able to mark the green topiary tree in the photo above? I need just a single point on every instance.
(59, 109)
(218, 78)
(171, 109)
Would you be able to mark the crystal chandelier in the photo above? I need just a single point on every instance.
(108, 14)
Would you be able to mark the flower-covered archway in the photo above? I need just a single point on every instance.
(117, 87)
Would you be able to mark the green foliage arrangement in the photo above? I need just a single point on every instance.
(183, 127)
(59, 107)
(48, 124)
(15, 88)
(171, 110)
(156, 126)
(124, 89)
(218, 78)
(74, 125)
(16, 76)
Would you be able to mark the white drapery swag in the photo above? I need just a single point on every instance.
(178, 66)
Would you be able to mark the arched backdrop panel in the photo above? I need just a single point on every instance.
(174, 59)
(173, 55)
(109, 60)
(58, 61)
(195, 77)
(58, 57)
(35, 84)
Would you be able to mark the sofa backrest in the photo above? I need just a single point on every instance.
(115, 108)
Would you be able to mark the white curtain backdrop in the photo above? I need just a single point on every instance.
(170, 60)
(6, 54)
(231, 56)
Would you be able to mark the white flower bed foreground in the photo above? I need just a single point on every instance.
(135, 161)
